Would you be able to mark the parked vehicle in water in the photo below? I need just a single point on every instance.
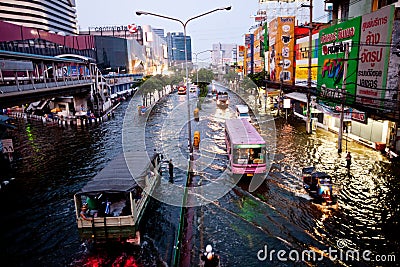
(318, 185)
(245, 146)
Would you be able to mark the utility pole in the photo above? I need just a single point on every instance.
(308, 120)
(340, 135)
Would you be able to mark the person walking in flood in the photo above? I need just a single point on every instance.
(171, 169)
(348, 160)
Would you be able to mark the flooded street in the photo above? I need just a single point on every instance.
(38, 225)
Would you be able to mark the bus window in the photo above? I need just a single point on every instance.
(240, 155)
(249, 156)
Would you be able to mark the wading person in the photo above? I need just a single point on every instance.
(348, 160)
(171, 169)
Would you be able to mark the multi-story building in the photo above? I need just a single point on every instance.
(119, 48)
(357, 60)
(58, 16)
(176, 48)
(160, 33)
(156, 52)
(344, 10)
(223, 56)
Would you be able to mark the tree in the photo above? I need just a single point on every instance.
(231, 76)
(247, 84)
(205, 78)
(258, 78)
(149, 86)
(205, 75)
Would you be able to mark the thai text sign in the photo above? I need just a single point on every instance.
(333, 41)
(376, 29)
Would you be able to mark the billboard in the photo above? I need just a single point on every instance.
(394, 63)
(376, 29)
(333, 42)
(301, 48)
(281, 48)
(241, 50)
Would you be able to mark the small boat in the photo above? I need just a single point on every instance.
(114, 201)
(318, 185)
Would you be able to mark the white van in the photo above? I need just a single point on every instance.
(242, 112)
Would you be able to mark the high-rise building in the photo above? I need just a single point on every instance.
(176, 47)
(58, 16)
(160, 32)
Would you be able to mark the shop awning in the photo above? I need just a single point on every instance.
(273, 92)
(297, 96)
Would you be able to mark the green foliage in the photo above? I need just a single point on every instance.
(152, 84)
(258, 78)
(247, 83)
(231, 76)
(203, 89)
(205, 76)
(173, 79)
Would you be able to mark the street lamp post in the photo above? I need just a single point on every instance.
(184, 24)
(197, 66)
(310, 27)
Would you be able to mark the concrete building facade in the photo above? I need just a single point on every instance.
(57, 16)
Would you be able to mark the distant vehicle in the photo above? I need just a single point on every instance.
(242, 112)
(222, 98)
(182, 90)
(214, 94)
(193, 88)
(245, 146)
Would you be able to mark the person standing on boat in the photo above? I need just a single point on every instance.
(348, 160)
(171, 169)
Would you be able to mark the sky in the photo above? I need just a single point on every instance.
(227, 27)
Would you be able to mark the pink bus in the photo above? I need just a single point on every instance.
(246, 148)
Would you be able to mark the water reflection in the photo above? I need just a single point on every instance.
(53, 163)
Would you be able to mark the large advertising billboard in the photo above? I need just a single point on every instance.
(376, 31)
(301, 48)
(331, 60)
(281, 48)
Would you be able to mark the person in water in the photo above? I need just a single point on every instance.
(348, 160)
(171, 169)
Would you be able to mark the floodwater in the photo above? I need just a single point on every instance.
(38, 225)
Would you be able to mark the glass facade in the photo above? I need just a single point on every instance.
(176, 47)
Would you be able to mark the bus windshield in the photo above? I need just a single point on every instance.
(253, 155)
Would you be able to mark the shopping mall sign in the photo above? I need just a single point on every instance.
(333, 42)
(376, 29)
